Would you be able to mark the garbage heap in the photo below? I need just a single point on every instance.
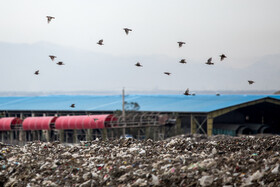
(180, 161)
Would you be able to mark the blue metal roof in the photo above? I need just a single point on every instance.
(160, 103)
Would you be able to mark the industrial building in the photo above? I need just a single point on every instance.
(49, 118)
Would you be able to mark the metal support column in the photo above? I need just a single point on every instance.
(104, 134)
(162, 133)
(138, 134)
(112, 133)
(2, 136)
(210, 126)
(21, 115)
(178, 126)
(61, 136)
(123, 112)
(193, 125)
(88, 134)
(147, 133)
(22, 136)
(75, 136)
(11, 137)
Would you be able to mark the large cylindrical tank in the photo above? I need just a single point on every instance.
(260, 128)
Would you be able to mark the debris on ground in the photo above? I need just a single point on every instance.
(187, 160)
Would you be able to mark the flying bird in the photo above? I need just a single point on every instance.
(36, 72)
(209, 61)
(50, 18)
(251, 82)
(183, 61)
(181, 43)
(52, 57)
(72, 106)
(223, 57)
(187, 92)
(60, 63)
(167, 73)
(100, 42)
(127, 30)
(138, 64)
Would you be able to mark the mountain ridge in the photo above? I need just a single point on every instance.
(89, 70)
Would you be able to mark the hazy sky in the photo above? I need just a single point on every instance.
(245, 31)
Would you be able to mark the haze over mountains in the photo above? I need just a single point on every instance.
(90, 72)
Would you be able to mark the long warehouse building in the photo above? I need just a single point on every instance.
(179, 114)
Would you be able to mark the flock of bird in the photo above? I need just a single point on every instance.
(138, 64)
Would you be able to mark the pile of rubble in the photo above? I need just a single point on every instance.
(179, 161)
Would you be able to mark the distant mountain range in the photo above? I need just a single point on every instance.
(108, 74)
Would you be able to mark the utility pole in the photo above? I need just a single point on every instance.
(123, 112)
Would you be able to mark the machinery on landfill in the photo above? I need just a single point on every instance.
(71, 129)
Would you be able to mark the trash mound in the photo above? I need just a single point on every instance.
(179, 161)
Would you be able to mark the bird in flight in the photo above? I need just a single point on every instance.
(223, 57)
(36, 72)
(181, 43)
(187, 92)
(60, 63)
(52, 57)
(127, 30)
(49, 18)
(167, 73)
(138, 64)
(183, 61)
(209, 61)
(72, 106)
(251, 82)
(100, 42)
